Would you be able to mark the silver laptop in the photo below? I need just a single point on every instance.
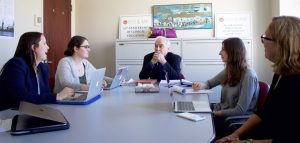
(86, 97)
(118, 79)
(192, 106)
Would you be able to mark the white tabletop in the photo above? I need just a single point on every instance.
(122, 116)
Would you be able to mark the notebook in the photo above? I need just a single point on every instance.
(192, 106)
(36, 119)
(118, 79)
(86, 97)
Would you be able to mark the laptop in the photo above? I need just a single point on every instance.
(36, 119)
(118, 79)
(192, 106)
(86, 97)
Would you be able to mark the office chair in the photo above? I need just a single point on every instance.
(51, 83)
(234, 122)
(181, 76)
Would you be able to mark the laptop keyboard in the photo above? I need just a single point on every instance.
(77, 97)
(185, 106)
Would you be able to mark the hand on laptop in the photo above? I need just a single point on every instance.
(85, 87)
(66, 92)
(104, 84)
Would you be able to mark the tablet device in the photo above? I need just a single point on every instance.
(27, 124)
(37, 118)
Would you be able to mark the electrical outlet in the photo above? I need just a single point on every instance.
(37, 21)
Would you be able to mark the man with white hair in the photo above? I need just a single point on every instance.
(161, 62)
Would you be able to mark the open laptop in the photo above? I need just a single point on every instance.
(192, 106)
(189, 106)
(36, 119)
(118, 79)
(86, 97)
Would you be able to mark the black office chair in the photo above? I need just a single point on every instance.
(234, 122)
(181, 76)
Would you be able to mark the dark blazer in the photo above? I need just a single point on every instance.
(157, 71)
(279, 113)
(18, 82)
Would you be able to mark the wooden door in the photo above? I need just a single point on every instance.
(57, 30)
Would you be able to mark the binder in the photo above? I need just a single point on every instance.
(37, 119)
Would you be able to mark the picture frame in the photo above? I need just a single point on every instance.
(233, 24)
(183, 16)
(134, 26)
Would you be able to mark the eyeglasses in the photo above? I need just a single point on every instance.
(263, 37)
(86, 46)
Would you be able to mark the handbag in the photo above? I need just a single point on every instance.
(166, 32)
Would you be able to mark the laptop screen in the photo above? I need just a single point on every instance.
(119, 78)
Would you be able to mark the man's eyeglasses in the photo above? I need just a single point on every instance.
(86, 46)
(264, 37)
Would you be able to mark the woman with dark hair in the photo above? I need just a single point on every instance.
(25, 76)
(239, 85)
(75, 70)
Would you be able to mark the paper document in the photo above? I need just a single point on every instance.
(5, 125)
(171, 83)
(204, 91)
(182, 90)
(186, 82)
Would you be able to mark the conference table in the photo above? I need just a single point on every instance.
(123, 116)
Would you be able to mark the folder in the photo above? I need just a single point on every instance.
(36, 119)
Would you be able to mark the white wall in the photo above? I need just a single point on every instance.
(289, 7)
(98, 21)
(103, 17)
(24, 21)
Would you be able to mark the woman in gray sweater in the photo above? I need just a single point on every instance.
(239, 83)
(74, 70)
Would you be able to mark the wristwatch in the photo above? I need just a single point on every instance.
(248, 141)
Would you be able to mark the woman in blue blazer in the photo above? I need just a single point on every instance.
(25, 76)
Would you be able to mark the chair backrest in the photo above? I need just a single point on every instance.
(234, 122)
(263, 93)
(181, 76)
(51, 83)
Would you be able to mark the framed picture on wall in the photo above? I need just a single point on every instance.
(134, 26)
(237, 24)
(183, 16)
